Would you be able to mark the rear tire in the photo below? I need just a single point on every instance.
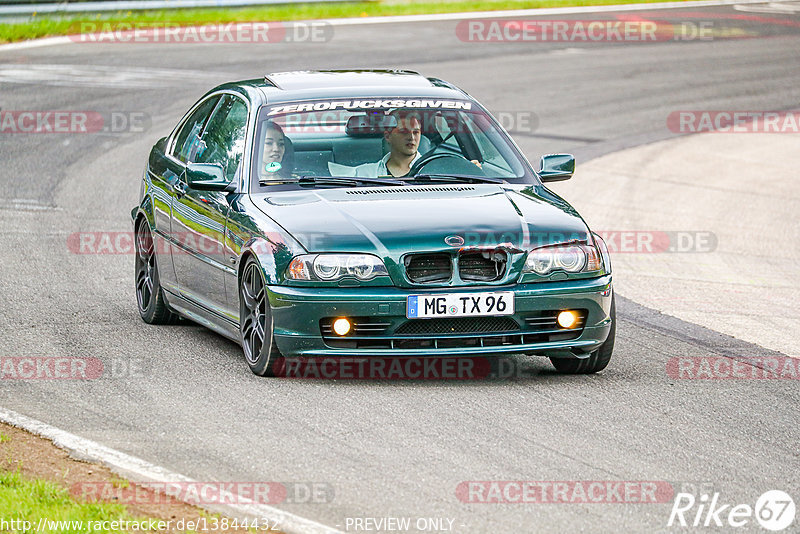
(150, 299)
(255, 322)
(597, 360)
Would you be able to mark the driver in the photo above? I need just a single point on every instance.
(403, 141)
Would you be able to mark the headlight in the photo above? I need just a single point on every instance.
(327, 267)
(572, 258)
(330, 267)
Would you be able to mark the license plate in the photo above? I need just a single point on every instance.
(460, 305)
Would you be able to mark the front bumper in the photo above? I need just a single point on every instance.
(297, 312)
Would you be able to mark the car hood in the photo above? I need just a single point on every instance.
(393, 221)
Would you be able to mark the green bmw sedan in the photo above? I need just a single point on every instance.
(371, 213)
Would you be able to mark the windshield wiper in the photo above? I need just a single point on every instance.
(356, 180)
(346, 180)
(455, 178)
(333, 180)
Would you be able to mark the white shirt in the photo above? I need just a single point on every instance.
(373, 170)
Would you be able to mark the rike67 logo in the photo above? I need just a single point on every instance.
(774, 510)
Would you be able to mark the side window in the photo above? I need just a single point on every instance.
(223, 139)
(188, 139)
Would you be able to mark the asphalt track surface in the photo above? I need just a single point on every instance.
(387, 448)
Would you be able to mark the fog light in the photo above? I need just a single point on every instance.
(341, 326)
(567, 319)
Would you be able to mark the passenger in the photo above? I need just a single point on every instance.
(276, 158)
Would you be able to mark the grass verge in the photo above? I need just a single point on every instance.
(40, 482)
(52, 25)
(25, 502)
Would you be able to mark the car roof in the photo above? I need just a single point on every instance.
(306, 85)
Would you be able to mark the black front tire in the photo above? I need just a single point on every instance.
(597, 360)
(150, 299)
(255, 322)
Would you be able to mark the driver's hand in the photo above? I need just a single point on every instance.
(476, 162)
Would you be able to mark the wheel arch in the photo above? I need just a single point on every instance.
(144, 211)
(264, 253)
(139, 218)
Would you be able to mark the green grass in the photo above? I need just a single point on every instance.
(4, 438)
(30, 500)
(44, 26)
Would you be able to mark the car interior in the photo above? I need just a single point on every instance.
(337, 148)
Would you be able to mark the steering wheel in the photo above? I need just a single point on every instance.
(430, 158)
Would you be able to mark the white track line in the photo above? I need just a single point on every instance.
(773, 8)
(138, 470)
(360, 21)
(35, 43)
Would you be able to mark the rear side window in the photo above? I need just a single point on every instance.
(187, 142)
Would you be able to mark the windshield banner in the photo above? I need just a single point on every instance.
(326, 105)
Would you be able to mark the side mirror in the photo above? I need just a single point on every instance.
(557, 167)
(206, 177)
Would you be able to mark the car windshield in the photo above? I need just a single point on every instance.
(398, 141)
